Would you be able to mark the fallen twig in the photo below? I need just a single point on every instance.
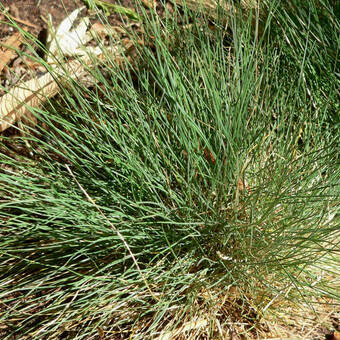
(24, 22)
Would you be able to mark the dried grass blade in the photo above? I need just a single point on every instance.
(188, 326)
(210, 6)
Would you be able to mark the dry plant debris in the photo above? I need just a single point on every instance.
(62, 42)
(188, 326)
(8, 49)
(209, 6)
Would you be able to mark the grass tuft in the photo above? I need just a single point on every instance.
(215, 159)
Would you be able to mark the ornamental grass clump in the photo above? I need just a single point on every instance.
(188, 192)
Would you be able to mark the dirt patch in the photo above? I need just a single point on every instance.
(33, 14)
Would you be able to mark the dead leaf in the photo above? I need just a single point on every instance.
(100, 332)
(101, 31)
(150, 3)
(34, 92)
(209, 156)
(240, 185)
(66, 42)
(9, 47)
(336, 336)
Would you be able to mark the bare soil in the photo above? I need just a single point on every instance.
(32, 16)
(35, 13)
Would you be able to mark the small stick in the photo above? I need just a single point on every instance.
(115, 229)
(24, 22)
